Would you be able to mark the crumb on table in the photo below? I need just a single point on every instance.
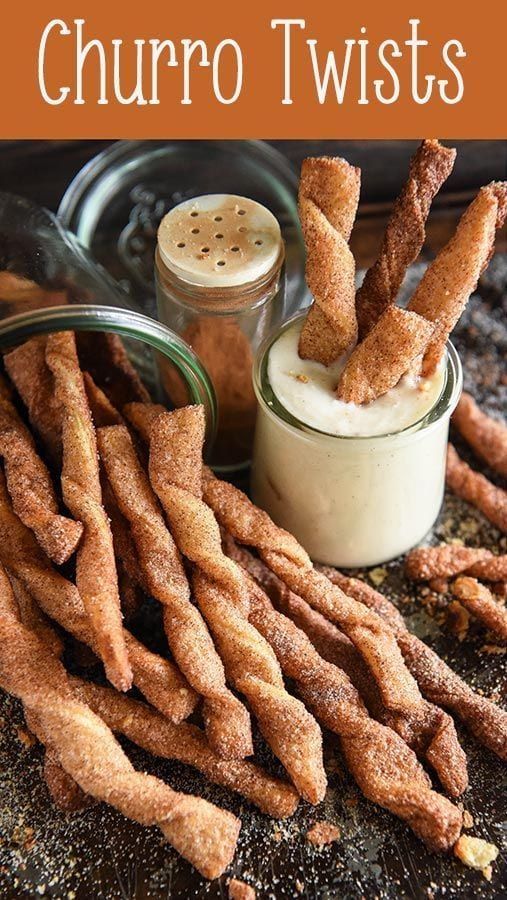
(476, 853)
(323, 833)
(240, 890)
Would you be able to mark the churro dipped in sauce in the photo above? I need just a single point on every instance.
(307, 390)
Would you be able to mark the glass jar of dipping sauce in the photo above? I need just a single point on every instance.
(218, 268)
(363, 496)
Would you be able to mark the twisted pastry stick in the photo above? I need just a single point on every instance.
(203, 834)
(158, 679)
(486, 720)
(328, 198)
(186, 743)
(104, 356)
(405, 232)
(476, 598)
(30, 486)
(227, 721)
(336, 648)
(250, 664)
(27, 369)
(374, 640)
(425, 563)
(387, 353)
(475, 488)
(486, 436)
(446, 285)
(386, 770)
(96, 576)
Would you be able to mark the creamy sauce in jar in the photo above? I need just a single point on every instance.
(355, 484)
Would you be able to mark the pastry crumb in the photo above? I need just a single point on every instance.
(468, 819)
(240, 890)
(323, 833)
(378, 575)
(475, 852)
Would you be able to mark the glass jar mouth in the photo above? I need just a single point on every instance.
(444, 405)
(126, 323)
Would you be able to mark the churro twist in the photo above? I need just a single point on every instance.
(31, 489)
(227, 721)
(487, 436)
(438, 682)
(450, 279)
(372, 637)
(96, 576)
(202, 833)
(186, 743)
(104, 356)
(328, 198)
(404, 236)
(27, 369)
(250, 664)
(387, 353)
(476, 489)
(425, 563)
(386, 770)
(158, 679)
(479, 601)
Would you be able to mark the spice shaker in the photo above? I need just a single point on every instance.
(218, 268)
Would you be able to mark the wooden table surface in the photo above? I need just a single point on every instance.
(41, 170)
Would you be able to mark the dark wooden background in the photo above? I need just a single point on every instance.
(41, 170)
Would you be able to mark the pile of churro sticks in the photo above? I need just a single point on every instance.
(105, 499)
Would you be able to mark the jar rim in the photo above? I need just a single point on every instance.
(445, 403)
(126, 323)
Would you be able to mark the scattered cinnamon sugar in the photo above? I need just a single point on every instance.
(239, 890)
(323, 833)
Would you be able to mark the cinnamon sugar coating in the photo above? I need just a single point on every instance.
(157, 678)
(328, 198)
(425, 563)
(33, 380)
(476, 489)
(405, 232)
(486, 436)
(387, 353)
(448, 282)
(96, 576)
(479, 601)
(31, 488)
(227, 721)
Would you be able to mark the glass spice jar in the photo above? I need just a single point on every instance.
(219, 280)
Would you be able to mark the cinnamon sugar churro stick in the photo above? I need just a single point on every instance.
(448, 282)
(404, 236)
(186, 743)
(227, 721)
(328, 198)
(96, 575)
(486, 436)
(438, 682)
(386, 354)
(479, 601)
(202, 833)
(425, 563)
(31, 489)
(337, 649)
(250, 664)
(102, 410)
(385, 769)
(476, 489)
(158, 679)
(27, 369)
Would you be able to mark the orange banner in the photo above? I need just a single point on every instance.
(267, 69)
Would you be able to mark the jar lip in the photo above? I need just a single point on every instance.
(127, 323)
(445, 403)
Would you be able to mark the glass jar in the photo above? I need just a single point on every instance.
(220, 285)
(45, 277)
(351, 501)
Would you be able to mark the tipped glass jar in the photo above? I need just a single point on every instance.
(220, 285)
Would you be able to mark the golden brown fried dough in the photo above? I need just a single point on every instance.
(479, 601)
(486, 436)
(27, 369)
(476, 489)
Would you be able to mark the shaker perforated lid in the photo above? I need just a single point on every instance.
(219, 240)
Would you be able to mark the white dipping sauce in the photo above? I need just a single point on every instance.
(368, 489)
